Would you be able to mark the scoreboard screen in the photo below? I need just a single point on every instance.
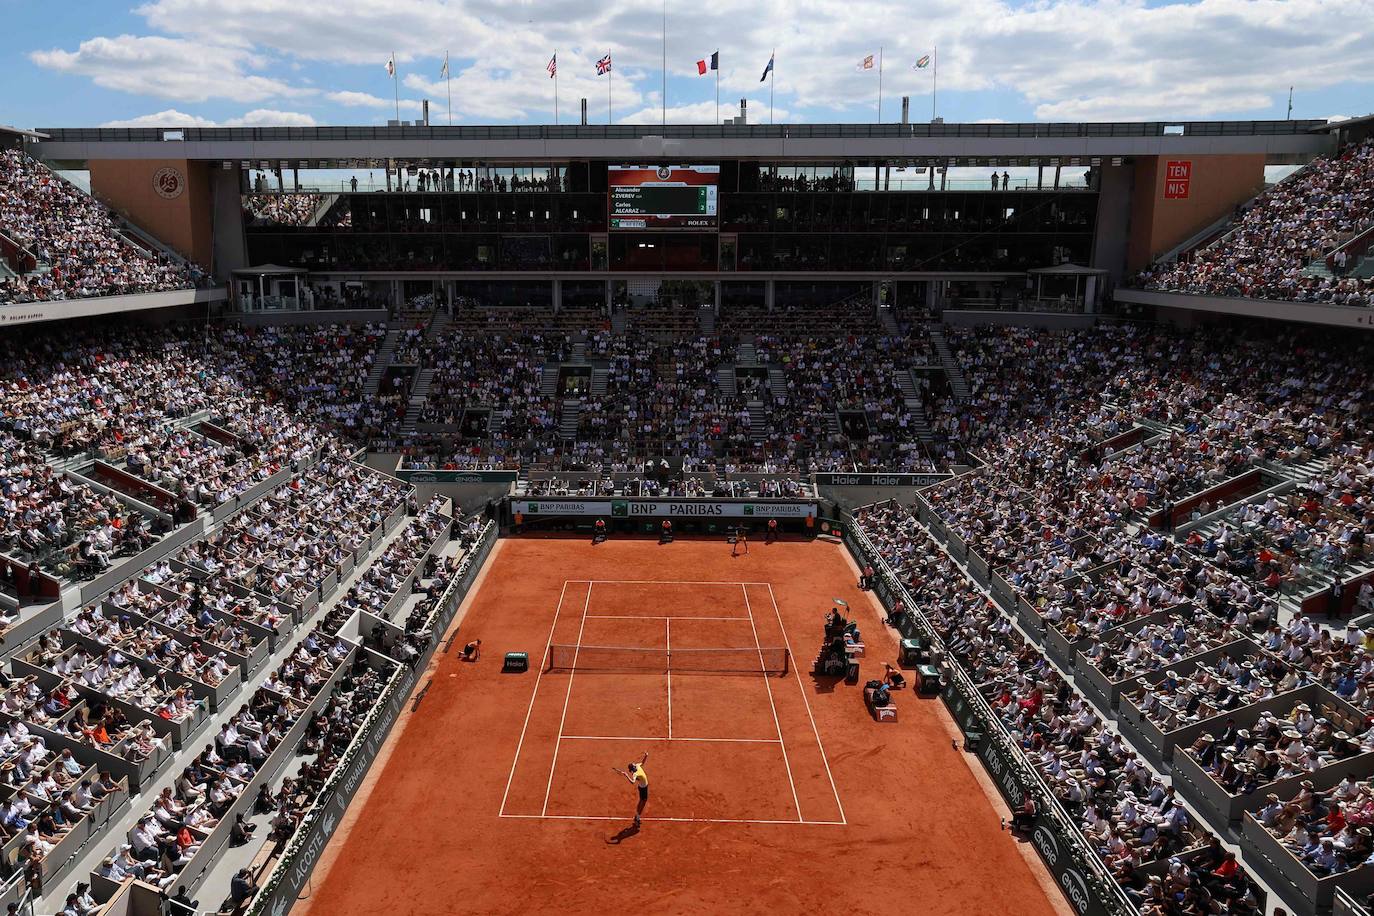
(663, 196)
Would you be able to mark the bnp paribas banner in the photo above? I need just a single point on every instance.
(663, 508)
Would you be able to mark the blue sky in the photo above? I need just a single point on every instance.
(261, 62)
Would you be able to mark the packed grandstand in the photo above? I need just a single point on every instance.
(1148, 555)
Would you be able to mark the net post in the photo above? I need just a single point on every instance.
(786, 661)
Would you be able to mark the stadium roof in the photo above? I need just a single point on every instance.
(19, 131)
(837, 142)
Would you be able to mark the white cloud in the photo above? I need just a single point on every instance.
(269, 117)
(1063, 59)
(167, 118)
(258, 117)
(168, 68)
(507, 94)
(352, 99)
(705, 112)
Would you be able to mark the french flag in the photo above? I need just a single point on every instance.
(705, 64)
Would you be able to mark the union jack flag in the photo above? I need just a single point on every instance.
(603, 66)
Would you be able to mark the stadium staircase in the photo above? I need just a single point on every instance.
(620, 321)
(758, 420)
(567, 419)
(322, 209)
(958, 384)
(579, 351)
(746, 355)
(600, 379)
(706, 321)
(888, 322)
(1223, 227)
(548, 380)
(386, 351)
(777, 381)
(917, 421)
(437, 325)
(725, 378)
(418, 395)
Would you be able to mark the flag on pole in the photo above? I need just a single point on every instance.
(553, 65)
(708, 63)
(443, 71)
(769, 68)
(391, 66)
(921, 62)
(866, 63)
(603, 66)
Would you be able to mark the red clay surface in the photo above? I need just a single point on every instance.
(772, 795)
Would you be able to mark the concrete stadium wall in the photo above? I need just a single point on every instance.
(1217, 185)
(168, 198)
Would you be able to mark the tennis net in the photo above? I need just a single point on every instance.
(766, 660)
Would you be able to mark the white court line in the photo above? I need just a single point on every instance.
(769, 687)
(675, 820)
(661, 738)
(809, 715)
(732, 583)
(535, 693)
(656, 617)
(668, 672)
(548, 789)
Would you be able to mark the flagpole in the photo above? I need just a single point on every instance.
(609, 76)
(555, 85)
(396, 84)
(934, 78)
(772, 77)
(665, 63)
(717, 87)
(448, 87)
(880, 84)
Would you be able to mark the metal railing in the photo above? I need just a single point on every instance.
(1112, 895)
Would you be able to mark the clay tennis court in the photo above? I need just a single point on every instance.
(770, 791)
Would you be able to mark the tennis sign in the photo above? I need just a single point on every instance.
(663, 508)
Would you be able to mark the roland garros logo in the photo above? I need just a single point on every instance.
(168, 183)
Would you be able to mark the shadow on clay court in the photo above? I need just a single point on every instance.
(622, 836)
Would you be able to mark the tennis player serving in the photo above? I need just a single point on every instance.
(636, 776)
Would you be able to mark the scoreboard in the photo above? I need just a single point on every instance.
(664, 196)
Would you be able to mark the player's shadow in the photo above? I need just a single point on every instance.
(623, 835)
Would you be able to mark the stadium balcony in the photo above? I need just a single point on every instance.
(66, 255)
(1302, 242)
